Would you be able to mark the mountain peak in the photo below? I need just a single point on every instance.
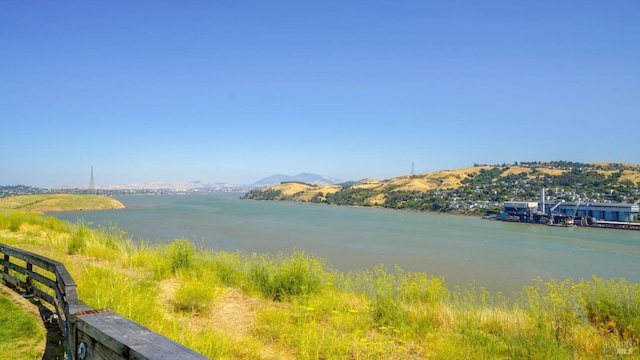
(301, 177)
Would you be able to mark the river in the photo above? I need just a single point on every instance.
(500, 256)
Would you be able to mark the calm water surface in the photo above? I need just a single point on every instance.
(498, 255)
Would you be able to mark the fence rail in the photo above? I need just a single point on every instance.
(89, 334)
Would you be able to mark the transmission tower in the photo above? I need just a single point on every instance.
(413, 169)
(92, 184)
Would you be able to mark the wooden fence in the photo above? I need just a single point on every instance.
(89, 333)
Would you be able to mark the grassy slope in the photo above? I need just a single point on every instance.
(289, 306)
(292, 188)
(21, 335)
(59, 202)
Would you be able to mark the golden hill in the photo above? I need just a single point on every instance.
(444, 180)
(439, 180)
(59, 202)
(448, 179)
(298, 191)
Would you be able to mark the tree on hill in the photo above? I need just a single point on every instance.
(486, 189)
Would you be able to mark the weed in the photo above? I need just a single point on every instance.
(194, 298)
(182, 255)
(282, 277)
(227, 268)
(308, 311)
(78, 241)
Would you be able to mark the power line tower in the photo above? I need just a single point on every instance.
(92, 184)
(413, 169)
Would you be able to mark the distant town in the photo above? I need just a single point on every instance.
(478, 190)
(161, 188)
(481, 189)
(16, 190)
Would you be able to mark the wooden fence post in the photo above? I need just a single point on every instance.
(6, 260)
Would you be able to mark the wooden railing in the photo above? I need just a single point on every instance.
(89, 333)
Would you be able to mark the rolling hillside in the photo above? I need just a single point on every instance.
(59, 202)
(473, 188)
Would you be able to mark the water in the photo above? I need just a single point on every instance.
(500, 256)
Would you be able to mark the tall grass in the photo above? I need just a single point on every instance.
(294, 306)
(283, 277)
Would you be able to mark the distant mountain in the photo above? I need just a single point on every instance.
(481, 189)
(302, 177)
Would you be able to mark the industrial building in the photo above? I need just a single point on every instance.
(622, 212)
(518, 211)
(618, 215)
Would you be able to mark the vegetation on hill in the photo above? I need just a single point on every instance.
(480, 189)
(43, 203)
(291, 306)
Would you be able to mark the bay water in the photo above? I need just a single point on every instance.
(499, 256)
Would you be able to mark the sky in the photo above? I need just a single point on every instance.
(236, 91)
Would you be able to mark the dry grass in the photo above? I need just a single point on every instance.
(233, 312)
(552, 172)
(631, 165)
(439, 180)
(59, 202)
(514, 170)
(631, 175)
(410, 183)
(377, 200)
(292, 188)
(305, 192)
(329, 189)
(369, 185)
(448, 179)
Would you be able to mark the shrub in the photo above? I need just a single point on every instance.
(282, 277)
(614, 306)
(78, 241)
(182, 254)
(15, 220)
(194, 297)
(227, 268)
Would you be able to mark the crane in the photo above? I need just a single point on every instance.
(575, 211)
(551, 212)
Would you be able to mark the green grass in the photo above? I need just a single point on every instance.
(19, 332)
(271, 306)
(58, 202)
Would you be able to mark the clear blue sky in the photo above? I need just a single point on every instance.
(234, 91)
